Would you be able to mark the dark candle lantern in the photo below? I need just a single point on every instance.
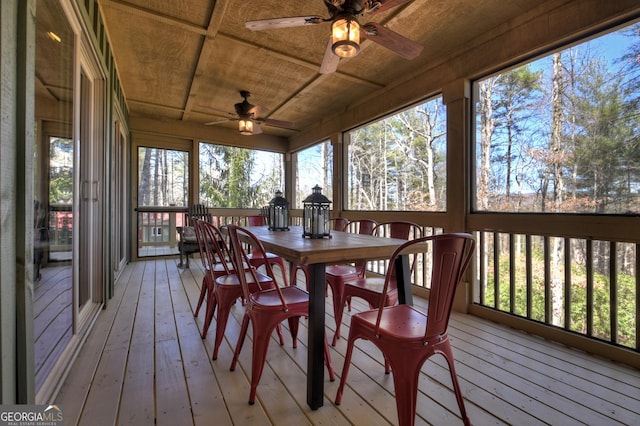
(278, 213)
(315, 216)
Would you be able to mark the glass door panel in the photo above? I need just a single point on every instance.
(68, 171)
(119, 211)
(54, 175)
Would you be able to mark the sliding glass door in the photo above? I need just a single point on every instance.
(68, 192)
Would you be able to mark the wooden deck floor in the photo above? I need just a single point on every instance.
(144, 363)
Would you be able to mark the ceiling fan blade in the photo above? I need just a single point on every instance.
(218, 111)
(393, 41)
(258, 111)
(292, 21)
(329, 60)
(226, 120)
(276, 123)
(383, 5)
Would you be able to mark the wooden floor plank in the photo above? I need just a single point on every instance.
(137, 402)
(137, 405)
(207, 401)
(172, 399)
(110, 372)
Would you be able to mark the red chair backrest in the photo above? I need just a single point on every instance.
(339, 223)
(401, 229)
(197, 227)
(215, 246)
(237, 237)
(255, 220)
(361, 226)
(451, 254)
(364, 227)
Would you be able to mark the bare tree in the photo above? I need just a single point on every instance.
(487, 126)
(422, 130)
(557, 157)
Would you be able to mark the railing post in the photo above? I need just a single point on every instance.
(172, 229)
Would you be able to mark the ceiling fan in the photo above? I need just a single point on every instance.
(346, 30)
(249, 117)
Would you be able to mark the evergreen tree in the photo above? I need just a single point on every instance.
(516, 102)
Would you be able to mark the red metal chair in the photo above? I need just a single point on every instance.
(208, 280)
(266, 309)
(369, 288)
(258, 260)
(406, 336)
(226, 288)
(216, 258)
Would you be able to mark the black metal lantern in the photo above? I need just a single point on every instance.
(278, 213)
(315, 216)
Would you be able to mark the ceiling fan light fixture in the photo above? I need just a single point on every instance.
(345, 33)
(245, 126)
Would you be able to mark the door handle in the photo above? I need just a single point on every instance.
(95, 193)
(83, 190)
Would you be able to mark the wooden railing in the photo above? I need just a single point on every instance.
(156, 226)
(581, 285)
(59, 232)
(575, 275)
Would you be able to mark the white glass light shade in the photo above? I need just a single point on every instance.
(245, 126)
(345, 34)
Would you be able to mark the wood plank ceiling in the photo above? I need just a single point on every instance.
(187, 60)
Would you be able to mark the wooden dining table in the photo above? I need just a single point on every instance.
(342, 247)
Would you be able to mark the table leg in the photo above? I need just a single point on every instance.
(315, 356)
(403, 278)
(180, 265)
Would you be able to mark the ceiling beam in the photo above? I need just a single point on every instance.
(149, 14)
(207, 48)
(154, 105)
